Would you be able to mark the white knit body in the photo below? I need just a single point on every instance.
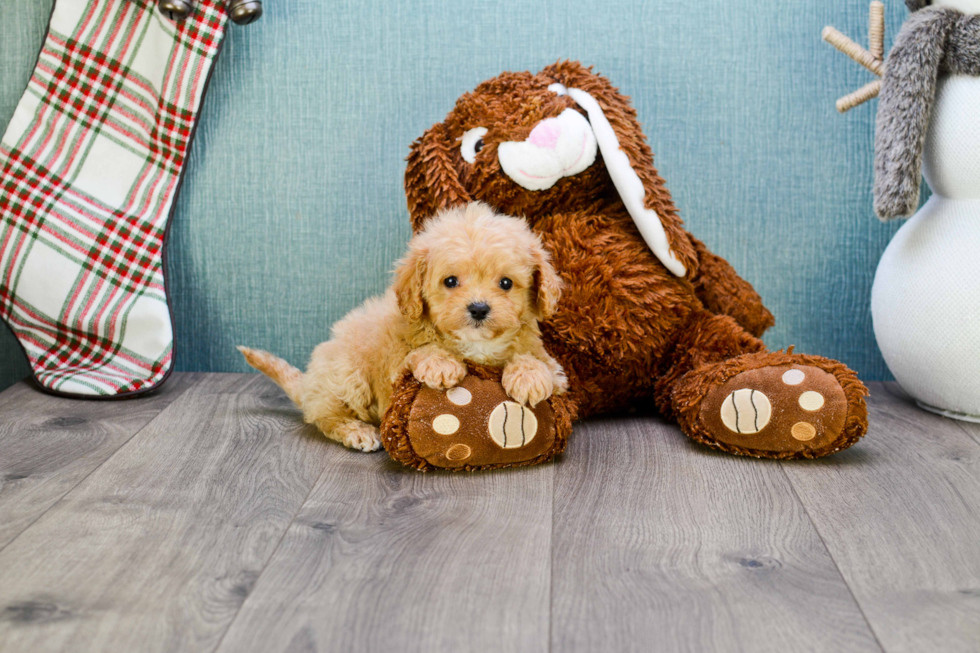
(925, 301)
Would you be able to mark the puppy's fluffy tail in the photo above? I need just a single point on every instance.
(285, 375)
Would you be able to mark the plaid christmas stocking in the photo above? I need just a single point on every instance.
(90, 166)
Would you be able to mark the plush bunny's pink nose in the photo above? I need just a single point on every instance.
(545, 134)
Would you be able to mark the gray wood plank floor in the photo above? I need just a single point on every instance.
(208, 518)
(665, 543)
(47, 447)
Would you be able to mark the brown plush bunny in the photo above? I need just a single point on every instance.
(647, 314)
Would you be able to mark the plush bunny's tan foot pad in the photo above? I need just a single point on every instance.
(785, 408)
(472, 426)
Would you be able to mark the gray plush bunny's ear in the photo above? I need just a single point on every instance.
(915, 5)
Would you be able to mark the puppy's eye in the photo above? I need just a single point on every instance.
(471, 143)
(506, 283)
(450, 282)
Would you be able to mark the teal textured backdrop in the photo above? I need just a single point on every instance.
(293, 212)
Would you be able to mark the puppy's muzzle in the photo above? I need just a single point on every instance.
(479, 310)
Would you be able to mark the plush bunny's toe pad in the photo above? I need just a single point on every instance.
(474, 425)
(774, 405)
(778, 409)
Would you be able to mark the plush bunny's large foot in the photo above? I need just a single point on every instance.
(474, 425)
(773, 405)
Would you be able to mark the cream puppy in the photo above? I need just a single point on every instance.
(473, 286)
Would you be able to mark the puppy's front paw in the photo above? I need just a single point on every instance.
(527, 380)
(440, 372)
(560, 380)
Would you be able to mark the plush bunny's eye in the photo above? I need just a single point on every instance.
(472, 142)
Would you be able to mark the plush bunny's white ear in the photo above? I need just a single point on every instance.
(626, 181)
(629, 161)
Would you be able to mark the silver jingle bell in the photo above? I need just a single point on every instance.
(176, 9)
(243, 12)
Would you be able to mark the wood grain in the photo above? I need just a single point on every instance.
(661, 544)
(970, 428)
(158, 548)
(383, 558)
(900, 514)
(49, 444)
(224, 524)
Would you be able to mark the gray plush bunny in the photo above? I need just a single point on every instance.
(942, 36)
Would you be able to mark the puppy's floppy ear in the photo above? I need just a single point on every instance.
(431, 178)
(545, 283)
(409, 278)
(622, 118)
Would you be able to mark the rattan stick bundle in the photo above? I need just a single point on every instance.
(871, 58)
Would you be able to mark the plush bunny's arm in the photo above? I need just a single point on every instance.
(908, 92)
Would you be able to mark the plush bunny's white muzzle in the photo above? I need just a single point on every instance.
(557, 147)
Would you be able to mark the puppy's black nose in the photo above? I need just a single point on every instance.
(479, 310)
